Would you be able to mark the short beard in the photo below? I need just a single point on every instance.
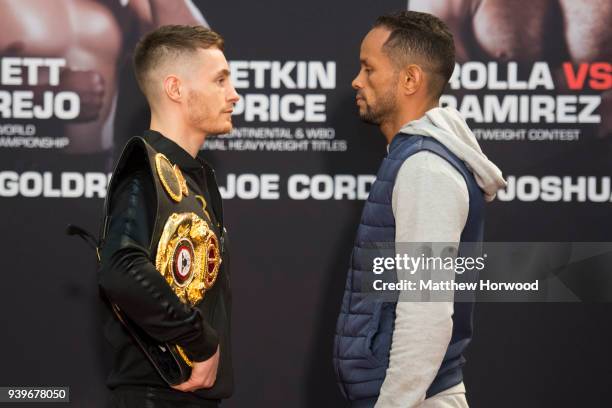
(200, 117)
(197, 113)
(384, 108)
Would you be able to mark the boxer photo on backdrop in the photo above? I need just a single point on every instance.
(164, 259)
(567, 34)
(92, 39)
(431, 187)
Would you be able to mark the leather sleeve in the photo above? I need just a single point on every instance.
(130, 279)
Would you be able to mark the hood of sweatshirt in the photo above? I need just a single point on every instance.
(448, 127)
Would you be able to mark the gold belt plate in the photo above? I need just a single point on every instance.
(188, 256)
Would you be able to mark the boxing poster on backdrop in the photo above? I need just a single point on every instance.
(533, 82)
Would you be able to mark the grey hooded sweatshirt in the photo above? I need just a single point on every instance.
(430, 204)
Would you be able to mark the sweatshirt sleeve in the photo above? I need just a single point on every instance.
(130, 279)
(430, 204)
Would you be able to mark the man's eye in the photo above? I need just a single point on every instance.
(221, 81)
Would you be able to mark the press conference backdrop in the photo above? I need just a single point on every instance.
(532, 78)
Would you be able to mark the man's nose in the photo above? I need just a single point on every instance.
(233, 97)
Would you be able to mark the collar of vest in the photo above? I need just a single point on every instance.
(399, 139)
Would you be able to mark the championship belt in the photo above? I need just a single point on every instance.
(188, 257)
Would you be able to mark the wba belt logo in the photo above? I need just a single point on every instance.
(182, 262)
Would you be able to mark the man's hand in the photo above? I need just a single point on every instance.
(203, 374)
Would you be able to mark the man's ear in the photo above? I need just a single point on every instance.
(173, 87)
(412, 79)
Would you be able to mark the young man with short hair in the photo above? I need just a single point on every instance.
(163, 255)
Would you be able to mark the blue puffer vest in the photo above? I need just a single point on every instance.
(365, 325)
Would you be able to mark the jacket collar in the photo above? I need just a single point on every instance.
(175, 153)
